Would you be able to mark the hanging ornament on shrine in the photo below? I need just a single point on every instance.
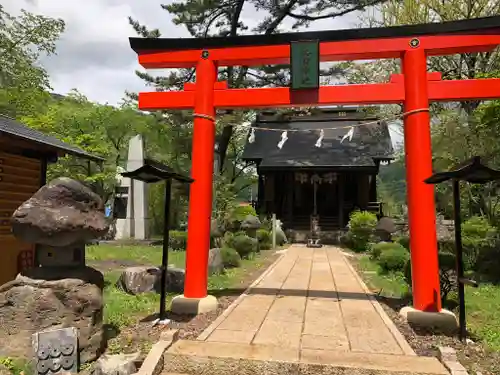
(284, 137)
(349, 135)
(251, 138)
(320, 139)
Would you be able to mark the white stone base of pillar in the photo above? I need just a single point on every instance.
(193, 306)
(444, 321)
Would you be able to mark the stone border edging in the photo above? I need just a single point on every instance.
(209, 330)
(403, 344)
(154, 362)
(448, 357)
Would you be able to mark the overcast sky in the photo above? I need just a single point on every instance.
(93, 53)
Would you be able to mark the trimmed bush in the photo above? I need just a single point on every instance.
(241, 212)
(177, 240)
(244, 245)
(404, 241)
(237, 216)
(230, 257)
(361, 230)
(377, 249)
(478, 236)
(264, 238)
(393, 259)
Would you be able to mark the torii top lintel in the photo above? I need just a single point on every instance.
(475, 35)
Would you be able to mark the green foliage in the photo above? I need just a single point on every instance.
(16, 366)
(98, 129)
(243, 244)
(478, 235)
(361, 229)
(377, 249)
(230, 257)
(391, 186)
(241, 212)
(393, 258)
(177, 240)
(23, 40)
(404, 241)
(264, 238)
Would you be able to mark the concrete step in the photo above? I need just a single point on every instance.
(216, 358)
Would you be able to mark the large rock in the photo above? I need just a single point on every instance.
(47, 297)
(137, 280)
(117, 364)
(144, 279)
(60, 214)
(215, 261)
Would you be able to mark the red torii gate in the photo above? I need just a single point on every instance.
(415, 88)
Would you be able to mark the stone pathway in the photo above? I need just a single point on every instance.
(309, 307)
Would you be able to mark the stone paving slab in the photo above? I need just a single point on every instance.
(309, 306)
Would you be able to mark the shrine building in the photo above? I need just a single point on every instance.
(328, 177)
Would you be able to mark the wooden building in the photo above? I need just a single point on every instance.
(24, 156)
(300, 179)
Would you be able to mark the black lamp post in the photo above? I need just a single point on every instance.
(152, 172)
(475, 172)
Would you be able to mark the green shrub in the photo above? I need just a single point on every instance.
(404, 241)
(378, 248)
(264, 238)
(177, 240)
(241, 212)
(244, 245)
(361, 230)
(263, 235)
(237, 215)
(230, 257)
(393, 259)
(478, 236)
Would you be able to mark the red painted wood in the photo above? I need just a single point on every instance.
(200, 192)
(421, 207)
(383, 93)
(329, 51)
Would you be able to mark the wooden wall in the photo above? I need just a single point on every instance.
(19, 180)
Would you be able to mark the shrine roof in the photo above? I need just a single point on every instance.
(476, 26)
(369, 142)
(13, 128)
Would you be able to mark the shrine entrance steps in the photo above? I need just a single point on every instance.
(309, 313)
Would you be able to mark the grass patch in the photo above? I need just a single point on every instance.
(121, 309)
(16, 366)
(147, 255)
(390, 285)
(124, 310)
(483, 314)
(230, 277)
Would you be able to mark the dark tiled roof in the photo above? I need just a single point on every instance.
(478, 25)
(16, 129)
(369, 142)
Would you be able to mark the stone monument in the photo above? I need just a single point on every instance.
(62, 291)
(134, 195)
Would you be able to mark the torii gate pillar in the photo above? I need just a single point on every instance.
(195, 299)
(421, 207)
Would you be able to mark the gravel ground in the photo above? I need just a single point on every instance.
(474, 356)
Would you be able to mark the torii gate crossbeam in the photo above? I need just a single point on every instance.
(415, 87)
